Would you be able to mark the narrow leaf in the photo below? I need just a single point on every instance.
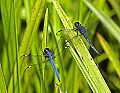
(91, 72)
(110, 53)
(31, 29)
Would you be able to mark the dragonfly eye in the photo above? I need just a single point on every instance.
(77, 24)
(46, 49)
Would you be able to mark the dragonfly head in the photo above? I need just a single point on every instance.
(77, 24)
(46, 50)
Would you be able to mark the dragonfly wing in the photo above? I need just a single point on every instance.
(34, 57)
(92, 28)
(64, 32)
(31, 61)
(88, 17)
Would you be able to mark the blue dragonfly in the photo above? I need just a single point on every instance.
(50, 57)
(79, 28)
(48, 54)
(82, 30)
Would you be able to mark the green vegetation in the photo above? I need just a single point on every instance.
(29, 26)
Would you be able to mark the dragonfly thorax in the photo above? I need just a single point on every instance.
(48, 54)
(80, 28)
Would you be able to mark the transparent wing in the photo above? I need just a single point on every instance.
(92, 28)
(88, 18)
(51, 61)
(64, 34)
(90, 24)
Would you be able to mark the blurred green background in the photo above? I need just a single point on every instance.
(29, 26)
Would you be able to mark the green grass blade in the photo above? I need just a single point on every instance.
(6, 19)
(45, 29)
(2, 82)
(91, 72)
(17, 21)
(44, 45)
(55, 24)
(29, 35)
(10, 23)
(110, 53)
(31, 29)
(27, 10)
(112, 27)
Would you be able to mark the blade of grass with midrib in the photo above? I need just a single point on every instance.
(31, 29)
(86, 64)
(44, 45)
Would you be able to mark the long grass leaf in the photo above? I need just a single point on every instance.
(44, 45)
(45, 29)
(31, 29)
(110, 53)
(91, 72)
(6, 19)
(29, 35)
(59, 59)
(10, 31)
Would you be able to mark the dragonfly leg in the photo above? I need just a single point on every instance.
(59, 39)
(24, 56)
(64, 30)
(59, 32)
(45, 55)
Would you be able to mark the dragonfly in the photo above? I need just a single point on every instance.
(48, 54)
(81, 29)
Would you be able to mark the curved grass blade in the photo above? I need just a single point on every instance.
(31, 29)
(91, 72)
(44, 40)
(110, 53)
(29, 35)
(112, 27)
